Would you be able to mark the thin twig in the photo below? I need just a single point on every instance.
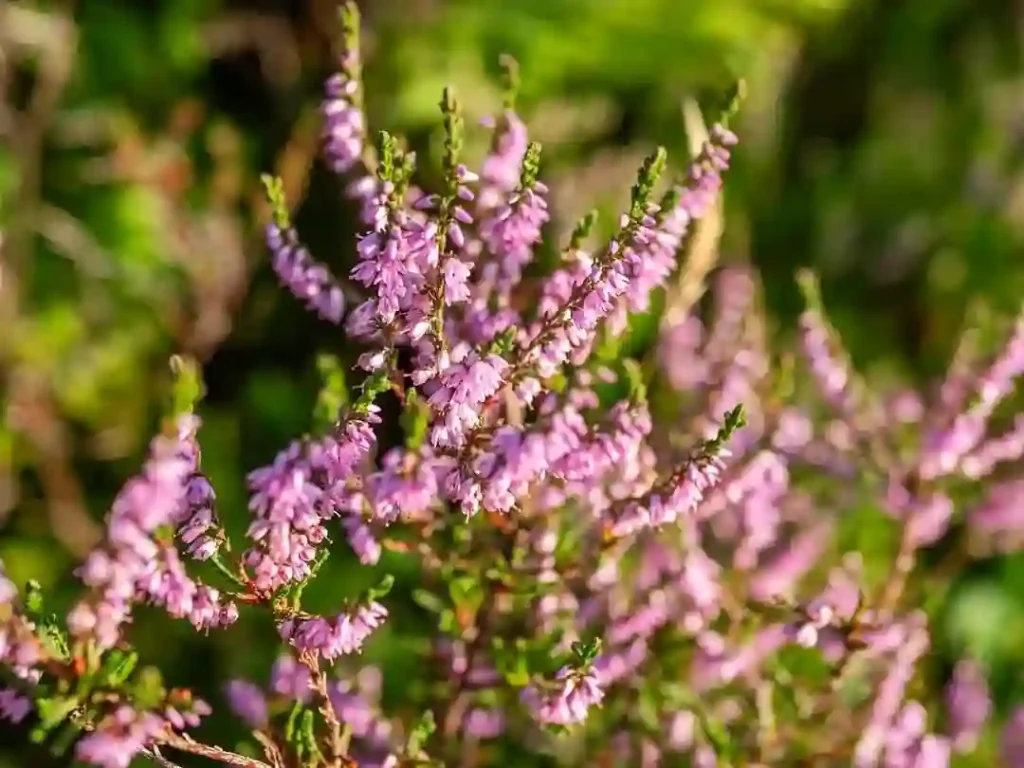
(899, 573)
(153, 754)
(187, 745)
(318, 681)
(270, 748)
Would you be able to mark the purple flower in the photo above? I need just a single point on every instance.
(830, 371)
(968, 705)
(135, 563)
(1003, 449)
(510, 234)
(344, 125)
(119, 738)
(680, 352)
(304, 277)
(288, 522)
(908, 745)
(452, 283)
(248, 702)
(396, 259)
(1011, 746)
(196, 534)
(294, 497)
(14, 707)
(290, 679)
(501, 169)
(927, 516)
(331, 638)
(357, 713)
(718, 662)
(569, 699)
(657, 249)
(484, 723)
(463, 388)
(388, 262)
(778, 576)
(362, 540)
(517, 458)
(405, 486)
(946, 448)
(679, 496)
(889, 697)
(198, 528)
(997, 519)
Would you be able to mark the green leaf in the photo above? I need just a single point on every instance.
(382, 589)
(33, 600)
(465, 591)
(52, 712)
(427, 600)
(421, 732)
(292, 723)
(118, 667)
(718, 738)
(187, 387)
(333, 395)
(635, 379)
(414, 420)
(148, 690)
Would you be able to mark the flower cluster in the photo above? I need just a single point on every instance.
(628, 561)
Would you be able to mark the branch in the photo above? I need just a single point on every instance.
(154, 755)
(186, 744)
(336, 743)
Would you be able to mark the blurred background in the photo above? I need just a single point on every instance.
(882, 144)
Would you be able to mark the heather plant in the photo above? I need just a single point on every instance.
(608, 588)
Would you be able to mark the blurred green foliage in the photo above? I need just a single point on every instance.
(883, 145)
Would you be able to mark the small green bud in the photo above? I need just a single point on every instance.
(510, 81)
(415, 419)
(187, 386)
(274, 187)
(531, 165)
(647, 177)
(635, 380)
(582, 230)
(333, 395)
(382, 589)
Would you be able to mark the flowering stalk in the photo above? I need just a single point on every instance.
(295, 268)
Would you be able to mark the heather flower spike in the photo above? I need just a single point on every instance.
(679, 551)
(582, 230)
(567, 700)
(351, 65)
(733, 102)
(307, 279)
(635, 379)
(187, 389)
(344, 127)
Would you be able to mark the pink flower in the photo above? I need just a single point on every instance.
(344, 634)
(568, 702)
